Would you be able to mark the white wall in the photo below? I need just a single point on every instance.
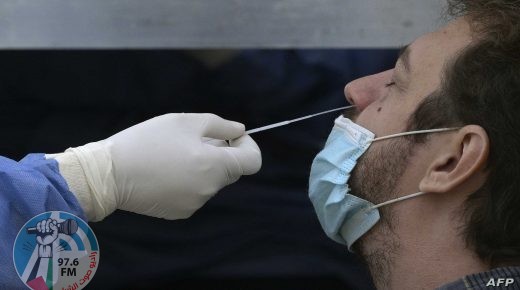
(215, 23)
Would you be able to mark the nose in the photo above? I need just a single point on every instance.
(364, 91)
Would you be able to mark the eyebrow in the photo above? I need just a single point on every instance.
(404, 56)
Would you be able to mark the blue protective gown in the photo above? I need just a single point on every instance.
(27, 188)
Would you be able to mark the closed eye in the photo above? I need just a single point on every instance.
(389, 84)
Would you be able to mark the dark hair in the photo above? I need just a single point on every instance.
(481, 86)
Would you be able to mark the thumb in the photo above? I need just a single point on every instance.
(247, 154)
(222, 129)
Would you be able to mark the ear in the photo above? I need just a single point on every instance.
(460, 162)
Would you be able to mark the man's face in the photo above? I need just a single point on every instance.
(384, 103)
(385, 100)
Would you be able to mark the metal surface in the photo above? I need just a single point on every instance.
(215, 23)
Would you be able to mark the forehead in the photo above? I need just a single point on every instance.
(429, 53)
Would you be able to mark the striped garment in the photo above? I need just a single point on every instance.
(498, 278)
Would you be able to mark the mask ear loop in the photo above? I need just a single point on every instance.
(405, 134)
(414, 132)
(398, 199)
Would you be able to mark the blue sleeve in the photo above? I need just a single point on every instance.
(27, 188)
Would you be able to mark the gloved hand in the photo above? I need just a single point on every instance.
(165, 167)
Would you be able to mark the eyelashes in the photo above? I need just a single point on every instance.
(390, 84)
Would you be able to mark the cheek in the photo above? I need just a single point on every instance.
(376, 118)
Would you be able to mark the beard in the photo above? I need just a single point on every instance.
(375, 179)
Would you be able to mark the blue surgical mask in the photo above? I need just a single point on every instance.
(343, 216)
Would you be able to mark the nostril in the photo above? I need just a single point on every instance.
(348, 95)
(350, 100)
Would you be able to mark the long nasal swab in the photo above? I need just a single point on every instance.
(283, 123)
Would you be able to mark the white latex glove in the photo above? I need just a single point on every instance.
(165, 167)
